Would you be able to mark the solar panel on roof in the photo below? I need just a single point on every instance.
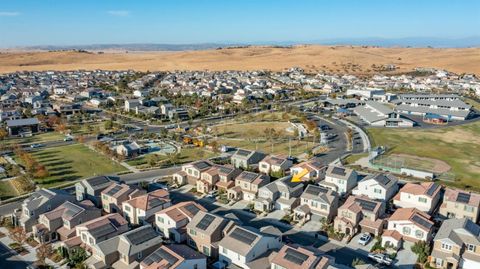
(141, 235)
(71, 209)
(225, 170)
(242, 152)
(192, 209)
(205, 222)
(366, 205)
(97, 181)
(421, 221)
(202, 165)
(315, 190)
(155, 202)
(463, 197)
(432, 188)
(158, 255)
(114, 190)
(294, 256)
(243, 236)
(338, 171)
(382, 179)
(103, 230)
(249, 176)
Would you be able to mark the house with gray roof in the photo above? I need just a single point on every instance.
(37, 203)
(316, 203)
(377, 114)
(340, 179)
(447, 106)
(281, 194)
(379, 186)
(90, 189)
(456, 245)
(126, 250)
(246, 158)
(243, 245)
(23, 127)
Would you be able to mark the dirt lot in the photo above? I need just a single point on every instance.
(340, 59)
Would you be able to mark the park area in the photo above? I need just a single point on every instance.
(454, 149)
(266, 132)
(68, 163)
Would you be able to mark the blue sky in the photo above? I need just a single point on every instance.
(69, 22)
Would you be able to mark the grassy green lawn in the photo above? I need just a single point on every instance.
(68, 163)
(7, 190)
(458, 146)
(354, 157)
(38, 138)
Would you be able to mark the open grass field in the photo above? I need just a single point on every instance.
(68, 163)
(413, 162)
(310, 57)
(38, 138)
(7, 190)
(457, 146)
(251, 136)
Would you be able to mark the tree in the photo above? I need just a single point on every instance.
(18, 235)
(3, 133)
(44, 251)
(108, 124)
(422, 249)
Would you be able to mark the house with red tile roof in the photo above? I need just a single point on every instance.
(460, 204)
(412, 224)
(423, 196)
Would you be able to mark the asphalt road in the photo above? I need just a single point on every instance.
(10, 260)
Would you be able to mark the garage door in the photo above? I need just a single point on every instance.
(469, 264)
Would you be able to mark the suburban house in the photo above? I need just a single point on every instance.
(316, 203)
(274, 165)
(91, 188)
(246, 158)
(171, 222)
(340, 179)
(191, 172)
(456, 245)
(208, 179)
(460, 204)
(297, 257)
(131, 105)
(115, 194)
(60, 222)
(204, 232)
(424, 196)
(141, 209)
(379, 186)
(174, 257)
(412, 224)
(281, 194)
(126, 250)
(360, 213)
(247, 185)
(226, 177)
(97, 230)
(311, 170)
(39, 202)
(242, 245)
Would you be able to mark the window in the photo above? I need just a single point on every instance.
(406, 230)
(104, 197)
(314, 204)
(127, 208)
(206, 250)
(438, 262)
(192, 232)
(471, 248)
(422, 200)
(160, 219)
(446, 246)
(323, 206)
(84, 237)
(419, 234)
(468, 208)
(379, 191)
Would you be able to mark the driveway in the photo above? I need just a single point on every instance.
(405, 257)
(9, 259)
(353, 244)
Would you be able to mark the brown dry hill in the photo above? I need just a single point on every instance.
(343, 59)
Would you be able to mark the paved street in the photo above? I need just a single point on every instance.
(9, 259)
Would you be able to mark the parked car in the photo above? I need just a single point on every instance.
(364, 239)
(35, 146)
(212, 194)
(68, 138)
(380, 258)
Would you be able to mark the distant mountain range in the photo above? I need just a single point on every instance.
(381, 42)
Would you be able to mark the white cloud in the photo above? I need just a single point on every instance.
(119, 13)
(9, 14)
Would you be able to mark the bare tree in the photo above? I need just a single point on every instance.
(43, 252)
